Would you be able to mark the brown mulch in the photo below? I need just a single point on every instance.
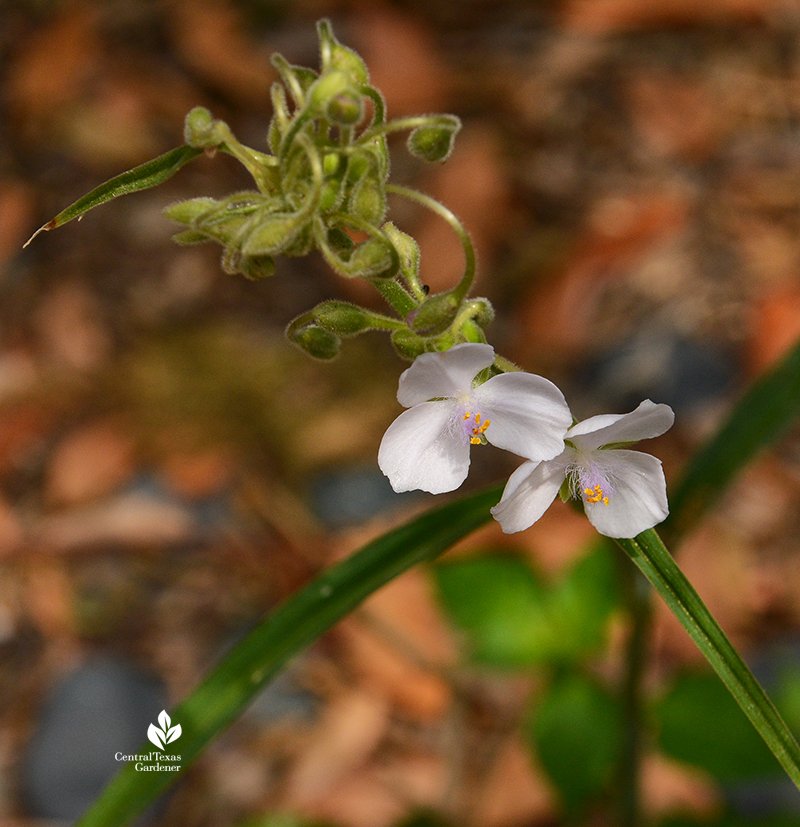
(629, 174)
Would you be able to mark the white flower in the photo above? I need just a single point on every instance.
(428, 445)
(623, 492)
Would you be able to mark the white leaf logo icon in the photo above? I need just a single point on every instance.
(167, 733)
(156, 736)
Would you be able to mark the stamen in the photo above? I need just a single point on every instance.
(595, 495)
(480, 427)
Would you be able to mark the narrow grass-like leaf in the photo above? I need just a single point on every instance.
(764, 414)
(288, 630)
(651, 556)
(139, 178)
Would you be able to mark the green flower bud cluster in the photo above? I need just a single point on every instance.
(324, 184)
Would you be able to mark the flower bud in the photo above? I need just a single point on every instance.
(317, 342)
(346, 108)
(342, 318)
(370, 258)
(272, 234)
(407, 249)
(188, 237)
(331, 163)
(201, 130)
(280, 117)
(256, 268)
(483, 315)
(187, 212)
(407, 344)
(331, 193)
(435, 314)
(434, 142)
(368, 201)
(327, 87)
(358, 166)
(301, 244)
(339, 57)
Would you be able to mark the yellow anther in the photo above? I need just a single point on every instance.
(481, 428)
(595, 495)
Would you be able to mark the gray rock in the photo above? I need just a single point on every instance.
(103, 707)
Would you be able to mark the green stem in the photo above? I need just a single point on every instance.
(376, 321)
(312, 201)
(288, 76)
(299, 120)
(391, 290)
(403, 124)
(463, 287)
(394, 294)
(380, 110)
(503, 365)
(260, 165)
(650, 555)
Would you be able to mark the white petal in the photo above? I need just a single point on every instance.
(448, 374)
(647, 421)
(528, 414)
(419, 450)
(639, 499)
(528, 494)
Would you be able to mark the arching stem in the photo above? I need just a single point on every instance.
(460, 291)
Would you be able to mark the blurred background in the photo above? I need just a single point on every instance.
(171, 467)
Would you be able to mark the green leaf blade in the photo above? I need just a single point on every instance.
(143, 177)
(301, 619)
(763, 414)
(650, 555)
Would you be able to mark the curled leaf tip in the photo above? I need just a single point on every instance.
(43, 229)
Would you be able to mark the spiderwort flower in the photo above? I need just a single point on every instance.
(623, 492)
(428, 445)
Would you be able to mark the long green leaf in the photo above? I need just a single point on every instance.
(761, 416)
(139, 178)
(651, 556)
(284, 633)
